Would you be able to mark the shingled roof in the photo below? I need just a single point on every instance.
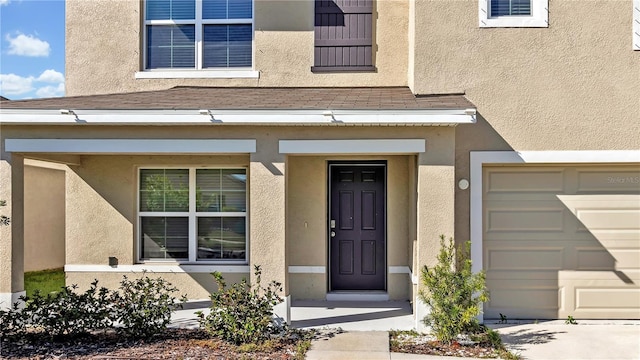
(359, 98)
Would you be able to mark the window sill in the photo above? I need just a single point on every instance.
(198, 74)
(339, 69)
(166, 267)
(514, 22)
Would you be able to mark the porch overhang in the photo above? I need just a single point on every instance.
(271, 117)
(131, 146)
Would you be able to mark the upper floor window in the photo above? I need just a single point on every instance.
(198, 34)
(514, 13)
(343, 35)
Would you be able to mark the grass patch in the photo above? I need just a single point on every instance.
(46, 281)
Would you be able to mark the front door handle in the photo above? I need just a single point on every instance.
(333, 234)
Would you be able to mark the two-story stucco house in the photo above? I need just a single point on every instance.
(333, 141)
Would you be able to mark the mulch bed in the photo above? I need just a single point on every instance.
(422, 344)
(172, 344)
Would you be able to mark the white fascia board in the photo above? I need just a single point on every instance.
(237, 117)
(353, 146)
(478, 159)
(151, 268)
(132, 146)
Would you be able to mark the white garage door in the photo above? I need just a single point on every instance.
(562, 240)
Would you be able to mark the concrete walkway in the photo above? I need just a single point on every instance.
(366, 345)
(360, 331)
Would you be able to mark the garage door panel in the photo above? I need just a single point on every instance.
(594, 259)
(524, 258)
(501, 181)
(578, 220)
(614, 180)
(501, 220)
(601, 294)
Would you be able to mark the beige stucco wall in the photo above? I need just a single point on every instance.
(44, 221)
(572, 86)
(104, 48)
(578, 77)
(192, 285)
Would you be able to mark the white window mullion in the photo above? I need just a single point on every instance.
(199, 36)
(193, 241)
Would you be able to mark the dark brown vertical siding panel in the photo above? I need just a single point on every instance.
(343, 33)
(345, 56)
(368, 56)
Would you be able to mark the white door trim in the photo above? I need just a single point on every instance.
(478, 159)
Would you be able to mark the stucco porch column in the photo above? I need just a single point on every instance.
(435, 206)
(267, 219)
(12, 236)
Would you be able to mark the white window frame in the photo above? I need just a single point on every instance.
(539, 16)
(192, 215)
(198, 71)
(636, 25)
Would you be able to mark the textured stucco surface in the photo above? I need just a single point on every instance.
(193, 285)
(283, 50)
(44, 221)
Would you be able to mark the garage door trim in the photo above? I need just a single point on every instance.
(479, 159)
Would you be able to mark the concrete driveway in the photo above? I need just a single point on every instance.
(589, 339)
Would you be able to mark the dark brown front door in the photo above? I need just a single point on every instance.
(357, 227)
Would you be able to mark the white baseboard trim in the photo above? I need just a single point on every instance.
(158, 269)
(295, 269)
(8, 299)
(404, 270)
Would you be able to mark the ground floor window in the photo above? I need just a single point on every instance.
(192, 214)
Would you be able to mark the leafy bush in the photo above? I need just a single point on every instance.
(454, 294)
(143, 306)
(62, 313)
(242, 313)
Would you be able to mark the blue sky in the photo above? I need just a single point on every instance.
(32, 48)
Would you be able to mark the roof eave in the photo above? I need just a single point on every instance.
(291, 117)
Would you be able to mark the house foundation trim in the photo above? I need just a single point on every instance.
(159, 269)
(478, 159)
(8, 299)
(353, 146)
(131, 146)
(293, 269)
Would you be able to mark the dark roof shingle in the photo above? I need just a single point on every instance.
(357, 98)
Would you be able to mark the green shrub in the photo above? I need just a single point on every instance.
(143, 306)
(453, 293)
(242, 313)
(63, 313)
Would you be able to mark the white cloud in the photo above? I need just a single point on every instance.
(51, 76)
(12, 84)
(4, 2)
(27, 45)
(51, 91)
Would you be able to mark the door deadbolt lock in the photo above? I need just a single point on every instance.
(333, 224)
